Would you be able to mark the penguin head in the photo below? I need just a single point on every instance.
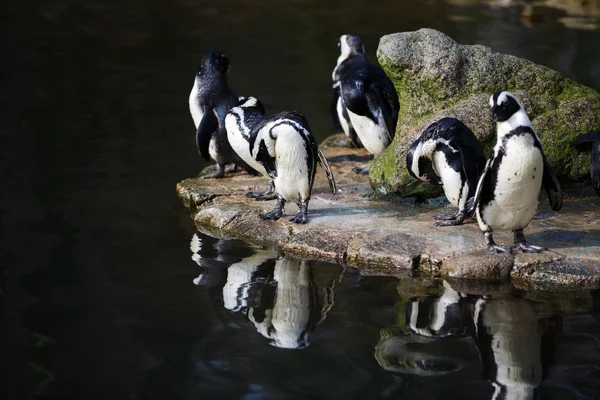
(419, 165)
(350, 45)
(215, 61)
(251, 103)
(504, 105)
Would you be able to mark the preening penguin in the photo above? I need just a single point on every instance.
(507, 192)
(349, 45)
(591, 142)
(370, 99)
(447, 152)
(285, 150)
(239, 124)
(210, 100)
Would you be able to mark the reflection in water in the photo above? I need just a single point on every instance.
(509, 342)
(441, 333)
(281, 299)
(296, 307)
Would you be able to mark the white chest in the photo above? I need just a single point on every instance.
(374, 137)
(519, 179)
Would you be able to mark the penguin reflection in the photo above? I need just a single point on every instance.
(506, 332)
(284, 307)
(509, 341)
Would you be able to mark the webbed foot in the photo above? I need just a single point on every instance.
(524, 246)
(361, 169)
(219, 173)
(444, 217)
(231, 167)
(276, 213)
(499, 249)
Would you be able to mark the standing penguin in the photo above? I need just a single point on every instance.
(284, 148)
(349, 45)
(239, 122)
(210, 100)
(448, 152)
(507, 192)
(370, 99)
(591, 142)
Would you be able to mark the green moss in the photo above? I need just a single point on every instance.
(560, 109)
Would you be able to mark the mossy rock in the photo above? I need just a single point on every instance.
(436, 77)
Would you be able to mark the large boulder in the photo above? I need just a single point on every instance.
(436, 77)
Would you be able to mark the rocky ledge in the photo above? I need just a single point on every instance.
(395, 235)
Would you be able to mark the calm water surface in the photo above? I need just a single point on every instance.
(100, 298)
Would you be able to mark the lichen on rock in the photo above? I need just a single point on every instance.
(436, 77)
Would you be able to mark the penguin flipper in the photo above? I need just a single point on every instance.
(208, 125)
(266, 159)
(585, 141)
(333, 109)
(552, 186)
(325, 165)
(483, 180)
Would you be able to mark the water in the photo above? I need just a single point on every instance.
(98, 298)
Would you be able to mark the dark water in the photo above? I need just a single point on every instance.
(98, 298)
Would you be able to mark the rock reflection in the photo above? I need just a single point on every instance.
(444, 333)
(282, 301)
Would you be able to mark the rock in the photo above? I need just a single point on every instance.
(436, 77)
(399, 238)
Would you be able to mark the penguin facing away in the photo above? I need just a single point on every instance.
(591, 142)
(209, 101)
(283, 145)
(371, 101)
(349, 45)
(507, 192)
(448, 152)
(239, 122)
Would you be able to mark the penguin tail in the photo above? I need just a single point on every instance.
(325, 165)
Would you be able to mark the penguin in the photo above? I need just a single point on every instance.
(591, 142)
(348, 45)
(298, 305)
(248, 281)
(439, 317)
(209, 101)
(283, 145)
(238, 124)
(371, 100)
(509, 342)
(448, 152)
(507, 192)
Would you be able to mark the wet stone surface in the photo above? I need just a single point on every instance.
(397, 235)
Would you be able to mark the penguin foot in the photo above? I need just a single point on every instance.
(300, 218)
(362, 169)
(220, 173)
(529, 248)
(261, 196)
(499, 249)
(444, 217)
(272, 215)
(231, 168)
(276, 213)
(451, 222)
